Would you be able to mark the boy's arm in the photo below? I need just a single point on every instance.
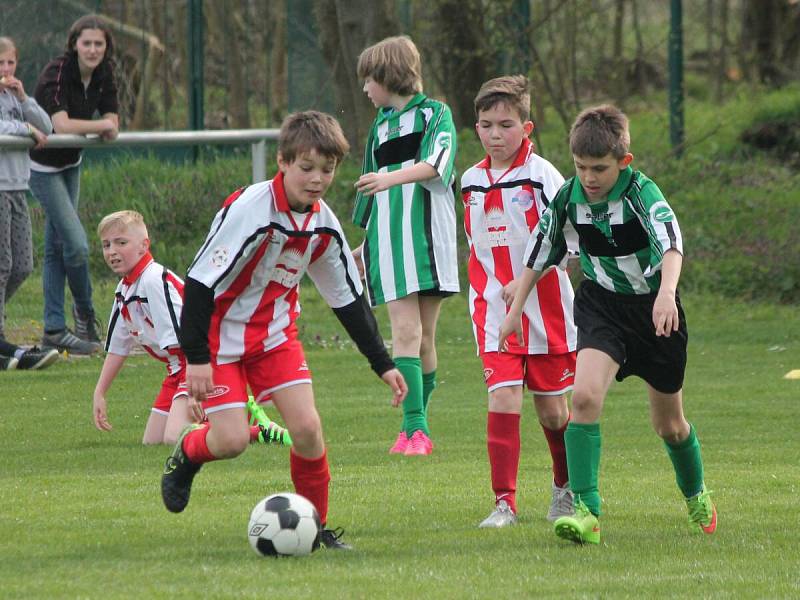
(198, 306)
(111, 367)
(513, 321)
(372, 183)
(665, 309)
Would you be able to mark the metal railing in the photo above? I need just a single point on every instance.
(257, 138)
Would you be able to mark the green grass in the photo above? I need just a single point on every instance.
(82, 516)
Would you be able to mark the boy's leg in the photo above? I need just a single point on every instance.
(429, 307)
(177, 420)
(406, 339)
(154, 430)
(553, 413)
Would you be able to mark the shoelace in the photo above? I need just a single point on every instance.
(336, 534)
(562, 499)
(699, 509)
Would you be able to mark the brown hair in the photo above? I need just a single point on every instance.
(599, 131)
(311, 130)
(123, 219)
(6, 44)
(511, 90)
(90, 22)
(394, 63)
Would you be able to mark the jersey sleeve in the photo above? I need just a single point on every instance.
(547, 245)
(552, 183)
(363, 203)
(333, 270)
(438, 147)
(660, 223)
(165, 304)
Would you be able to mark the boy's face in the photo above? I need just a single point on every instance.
(306, 178)
(501, 132)
(598, 175)
(378, 94)
(123, 247)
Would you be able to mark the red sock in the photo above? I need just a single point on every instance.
(254, 431)
(502, 441)
(195, 447)
(555, 439)
(310, 477)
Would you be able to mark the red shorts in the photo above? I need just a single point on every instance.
(265, 373)
(172, 387)
(547, 374)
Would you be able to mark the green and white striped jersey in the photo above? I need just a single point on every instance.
(622, 240)
(410, 241)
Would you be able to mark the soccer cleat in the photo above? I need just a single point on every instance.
(179, 471)
(86, 326)
(36, 358)
(702, 512)
(66, 341)
(502, 516)
(561, 504)
(581, 527)
(7, 363)
(270, 432)
(400, 444)
(332, 539)
(419, 444)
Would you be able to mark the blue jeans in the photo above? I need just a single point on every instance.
(66, 249)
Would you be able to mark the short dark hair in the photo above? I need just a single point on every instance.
(599, 131)
(311, 130)
(511, 90)
(91, 22)
(393, 63)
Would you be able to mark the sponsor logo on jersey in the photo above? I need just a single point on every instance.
(303, 366)
(566, 375)
(487, 373)
(544, 222)
(661, 212)
(523, 199)
(219, 390)
(219, 257)
(394, 130)
(443, 140)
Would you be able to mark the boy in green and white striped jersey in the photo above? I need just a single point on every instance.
(627, 311)
(406, 203)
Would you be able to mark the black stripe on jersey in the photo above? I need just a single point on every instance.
(111, 326)
(172, 316)
(628, 238)
(673, 242)
(535, 252)
(426, 207)
(210, 237)
(131, 300)
(506, 184)
(398, 150)
(365, 258)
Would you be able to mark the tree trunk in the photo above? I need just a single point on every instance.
(722, 56)
(226, 14)
(277, 61)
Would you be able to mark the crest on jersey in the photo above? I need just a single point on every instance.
(544, 222)
(523, 199)
(495, 217)
(219, 256)
(443, 140)
(291, 259)
(661, 212)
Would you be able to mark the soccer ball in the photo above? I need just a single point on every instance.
(284, 524)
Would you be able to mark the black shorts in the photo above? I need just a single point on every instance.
(621, 325)
(436, 292)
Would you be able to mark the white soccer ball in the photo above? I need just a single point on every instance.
(284, 524)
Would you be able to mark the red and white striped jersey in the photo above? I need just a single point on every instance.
(255, 255)
(147, 311)
(500, 211)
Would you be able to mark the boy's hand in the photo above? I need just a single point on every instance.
(372, 183)
(508, 291)
(99, 412)
(199, 383)
(358, 258)
(394, 379)
(511, 324)
(665, 313)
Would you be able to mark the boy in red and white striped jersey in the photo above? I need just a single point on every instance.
(241, 302)
(504, 195)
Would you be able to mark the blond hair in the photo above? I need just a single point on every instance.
(6, 44)
(599, 131)
(511, 90)
(311, 130)
(124, 220)
(393, 63)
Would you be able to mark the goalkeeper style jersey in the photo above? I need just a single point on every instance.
(622, 240)
(410, 243)
(501, 208)
(146, 311)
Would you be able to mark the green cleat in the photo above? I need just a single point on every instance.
(702, 512)
(581, 528)
(271, 432)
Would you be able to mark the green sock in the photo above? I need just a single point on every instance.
(428, 385)
(688, 464)
(583, 462)
(413, 412)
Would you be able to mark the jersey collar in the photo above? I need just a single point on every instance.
(522, 156)
(281, 201)
(616, 192)
(387, 112)
(143, 263)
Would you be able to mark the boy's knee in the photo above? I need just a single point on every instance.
(505, 400)
(307, 433)
(672, 433)
(586, 399)
(230, 444)
(407, 333)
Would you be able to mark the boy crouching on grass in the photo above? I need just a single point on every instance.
(241, 302)
(628, 313)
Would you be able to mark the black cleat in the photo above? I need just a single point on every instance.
(332, 539)
(179, 471)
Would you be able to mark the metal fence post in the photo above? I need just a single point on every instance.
(259, 153)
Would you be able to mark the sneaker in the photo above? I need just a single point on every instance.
(581, 527)
(702, 512)
(270, 431)
(419, 444)
(561, 503)
(332, 539)
(7, 363)
(86, 326)
(179, 471)
(36, 358)
(67, 341)
(400, 444)
(502, 516)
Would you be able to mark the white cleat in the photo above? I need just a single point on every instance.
(502, 516)
(562, 503)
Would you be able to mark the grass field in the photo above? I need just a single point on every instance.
(82, 517)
